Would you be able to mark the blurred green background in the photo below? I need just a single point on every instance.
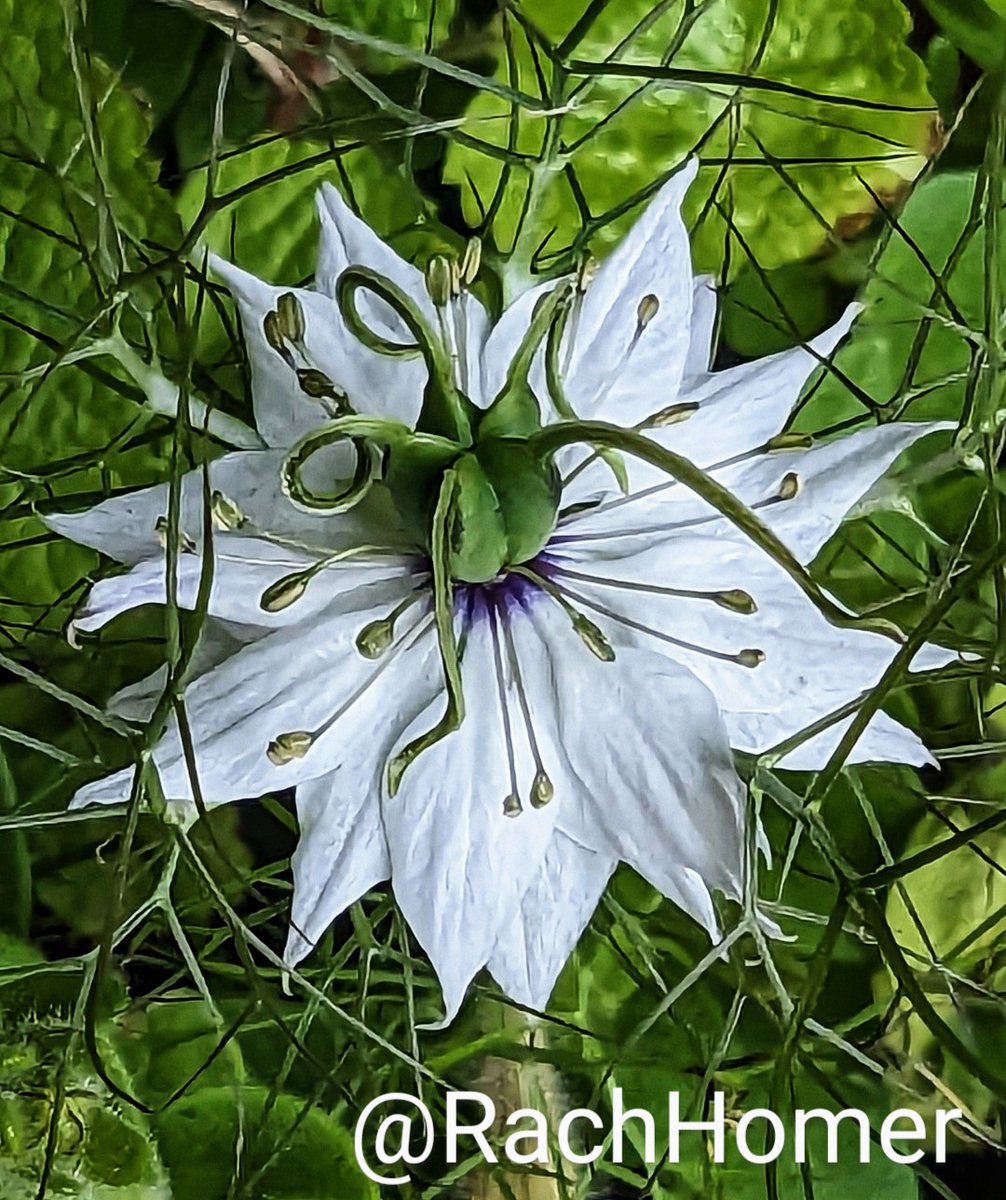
(847, 147)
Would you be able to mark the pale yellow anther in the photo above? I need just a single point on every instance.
(790, 441)
(789, 489)
(185, 544)
(375, 638)
(648, 308)
(736, 600)
(439, 280)
(284, 592)
(585, 274)
(673, 414)
(226, 515)
(751, 658)
(471, 263)
(512, 806)
(593, 638)
(288, 746)
(542, 790)
(290, 318)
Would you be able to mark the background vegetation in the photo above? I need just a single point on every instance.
(147, 1048)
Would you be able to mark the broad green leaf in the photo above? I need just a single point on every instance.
(302, 1152)
(550, 185)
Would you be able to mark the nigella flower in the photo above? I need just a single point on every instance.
(500, 599)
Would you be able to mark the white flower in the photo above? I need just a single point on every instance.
(604, 678)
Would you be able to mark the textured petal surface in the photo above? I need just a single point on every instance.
(375, 384)
(811, 668)
(639, 757)
(460, 867)
(532, 948)
(124, 527)
(342, 853)
(616, 370)
(296, 678)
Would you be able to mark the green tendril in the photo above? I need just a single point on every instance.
(443, 609)
(602, 435)
(354, 280)
(560, 401)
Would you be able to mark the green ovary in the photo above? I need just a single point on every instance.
(505, 511)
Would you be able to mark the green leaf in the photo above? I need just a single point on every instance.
(304, 1152)
(572, 184)
(976, 27)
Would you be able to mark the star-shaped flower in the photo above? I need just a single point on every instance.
(500, 598)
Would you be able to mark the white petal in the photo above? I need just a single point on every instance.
(296, 678)
(741, 408)
(811, 668)
(376, 384)
(124, 527)
(348, 241)
(883, 740)
(833, 476)
(459, 866)
(639, 757)
(342, 853)
(505, 338)
(244, 568)
(533, 947)
(218, 641)
(654, 259)
(705, 311)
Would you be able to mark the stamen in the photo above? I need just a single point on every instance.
(290, 319)
(284, 592)
(542, 790)
(734, 599)
(744, 658)
(471, 261)
(790, 487)
(226, 515)
(591, 636)
(438, 280)
(274, 337)
(375, 638)
(288, 590)
(185, 544)
(316, 385)
(673, 414)
(648, 308)
(789, 441)
(288, 746)
(512, 806)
